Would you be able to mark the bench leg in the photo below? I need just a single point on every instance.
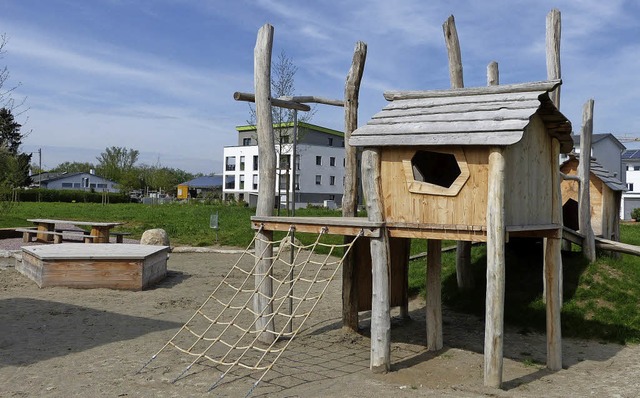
(119, 238)
(26, 237)
(57, 238)
(88, 239)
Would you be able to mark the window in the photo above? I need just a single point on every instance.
(255, 162)
(255, 181)
(332, 180)
(92, 185)
(246, 142)
(241, 163)
(436, 173)
(77, 185)
(332, 161)
(636, 167)
(318, 179)
(330, 141)
(241, 182)
(67, 185)
(230, 163)
(101, 185)
(297, 162)
(630, 187)
(230, 182)
(332, 197)
(297, 182)
(319, 160)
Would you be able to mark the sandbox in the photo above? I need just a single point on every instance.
(87, 266)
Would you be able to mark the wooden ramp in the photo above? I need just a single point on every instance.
(601, 243)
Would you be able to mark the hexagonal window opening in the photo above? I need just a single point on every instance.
(435, 168)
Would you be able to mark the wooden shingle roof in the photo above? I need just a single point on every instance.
(607, 177)
(492, 115)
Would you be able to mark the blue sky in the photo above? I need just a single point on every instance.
(158, 75)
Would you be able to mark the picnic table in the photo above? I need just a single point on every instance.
(99, 229)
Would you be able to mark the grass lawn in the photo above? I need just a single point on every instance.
(601, 300)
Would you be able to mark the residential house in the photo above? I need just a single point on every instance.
(631, 198)
(200, 186)
(319, 174)
(78, 181)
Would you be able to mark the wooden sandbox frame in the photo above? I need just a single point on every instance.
(77, 265)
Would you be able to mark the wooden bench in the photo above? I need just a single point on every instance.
(29, 233)
(119, 236)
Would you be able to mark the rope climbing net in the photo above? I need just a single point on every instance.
(223, 331)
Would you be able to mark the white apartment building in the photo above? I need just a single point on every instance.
(319, 174)
(631, 198)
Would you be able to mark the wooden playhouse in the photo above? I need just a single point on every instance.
(605, 192)
(473, 164)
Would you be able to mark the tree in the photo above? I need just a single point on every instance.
(117, 164)
(10, 136)
(73, 167)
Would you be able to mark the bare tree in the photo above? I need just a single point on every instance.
(283, 74)
(6, 99)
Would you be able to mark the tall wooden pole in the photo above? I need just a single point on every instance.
(494, 319)
(350, 197)
(463, 248)
(584, 171)
(380, 264)
(493, 75)
(553, 52)
(267, 181)
(453, 51)
(552, 278)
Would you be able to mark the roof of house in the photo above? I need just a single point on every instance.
(631, 154)
(251, 127)
(48, 177)
(492, 115)
(595, 138)
(603, 174)
(204, 182)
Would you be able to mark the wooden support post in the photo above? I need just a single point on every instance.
(463, 248)
(584, 172)
(434, 295)
(553, 271)
(380, 303)
(266, 189)
(494, 319)
(350, 197)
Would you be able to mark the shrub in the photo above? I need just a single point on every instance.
(69, 196)
(635, 213)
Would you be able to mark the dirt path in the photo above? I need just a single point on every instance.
(64, 342)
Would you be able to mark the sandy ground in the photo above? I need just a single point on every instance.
(66, 342)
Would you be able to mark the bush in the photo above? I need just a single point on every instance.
(635, 213)
(69, 196)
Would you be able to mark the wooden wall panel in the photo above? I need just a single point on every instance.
(466, 208)
(528, 191)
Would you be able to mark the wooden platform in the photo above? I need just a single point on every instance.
(76, 265)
